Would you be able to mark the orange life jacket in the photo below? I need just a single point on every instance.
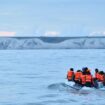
(88, 78)
(78, 75)
(97, 76)
(70, 74)
(83, 79)
(101, 78)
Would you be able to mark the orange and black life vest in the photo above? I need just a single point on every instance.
(70, 75)
(97, 76)
(77, 76)
(83, 79)
(101, 78)
(88, 78)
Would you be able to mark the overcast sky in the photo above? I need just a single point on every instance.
(52, 17)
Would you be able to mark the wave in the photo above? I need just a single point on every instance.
(65, 87)
(57, 86)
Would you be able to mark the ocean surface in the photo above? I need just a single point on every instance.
(37, 77)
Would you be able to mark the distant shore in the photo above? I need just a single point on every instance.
(80, 42)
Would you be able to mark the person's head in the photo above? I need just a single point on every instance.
(78, 70)
(71, 69)
(84, 68)
(96, 70)
(101, 72)
(88, 70)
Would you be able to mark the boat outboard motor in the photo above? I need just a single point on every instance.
(100, 85)
(96, 83)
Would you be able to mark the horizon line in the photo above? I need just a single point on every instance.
(52, 36)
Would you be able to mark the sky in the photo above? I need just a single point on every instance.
(52, 17)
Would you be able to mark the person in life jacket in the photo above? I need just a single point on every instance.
(70, 74)
(97, 74)
(101, 77)
(77, 76)
(104, 80)
(83, 78)
(96, 78)
(89, 80)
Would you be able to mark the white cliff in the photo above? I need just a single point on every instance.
(52, 43)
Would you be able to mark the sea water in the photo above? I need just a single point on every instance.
(37, 77)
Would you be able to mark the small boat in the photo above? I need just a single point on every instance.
(79, 87)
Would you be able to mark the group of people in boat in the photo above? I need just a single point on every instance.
(85, 78)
